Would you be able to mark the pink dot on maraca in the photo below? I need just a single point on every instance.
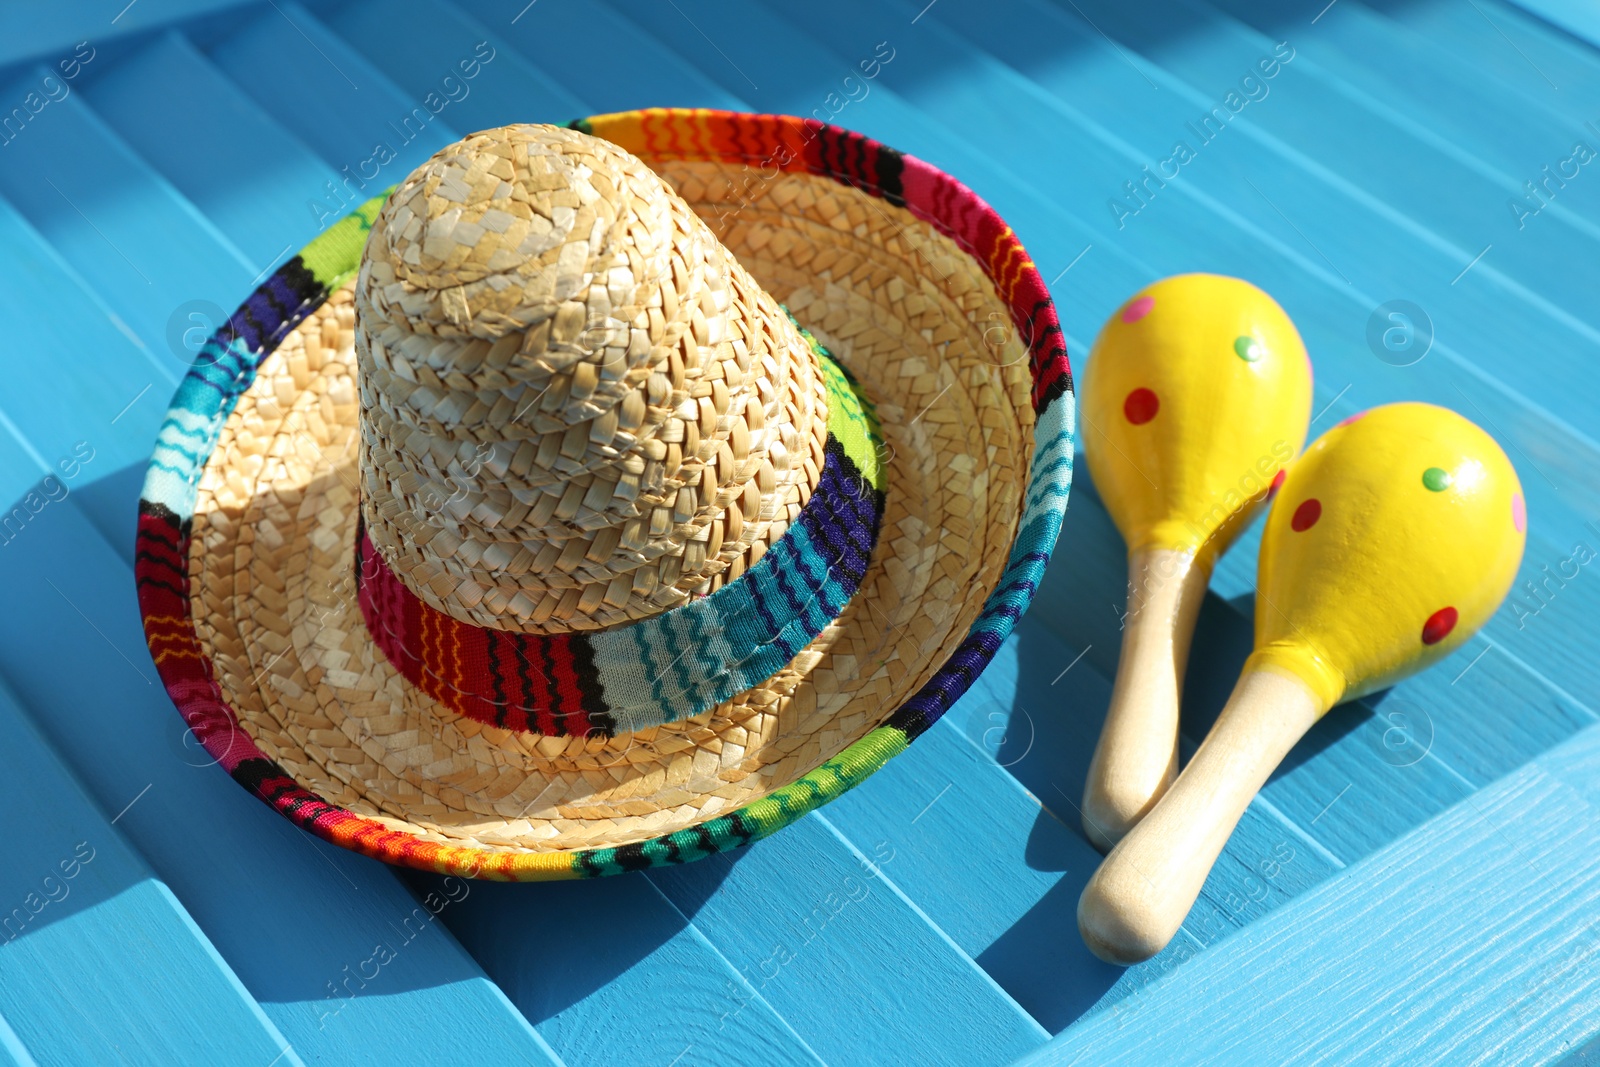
(1306, 515)
(1439, 625)
(1519, 512)
(1141, 406)
(1351, 418)
(1138, 309)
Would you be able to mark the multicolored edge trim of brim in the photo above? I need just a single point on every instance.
(227, 365)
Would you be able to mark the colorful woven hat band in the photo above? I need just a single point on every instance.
(680, 663)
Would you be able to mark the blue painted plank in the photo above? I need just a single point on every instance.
(1443, 93)
(12, 1052)
(100, 419)
(1509, 46)
(638, 72)
(634, 981)
(1015, 912)
(85, 925)
(251, 177)
(297, 919)
(946, 804)
(508, 88)
(61, 446)
(50, 31)
(1466, 941)
(1586, 1056)
(1487, 712)
(24, 482)
(1363, 181)
(846, 923)
(1580, 20)
(143, 247)
(337, 102)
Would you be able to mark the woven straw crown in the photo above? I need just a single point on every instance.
(577, 408)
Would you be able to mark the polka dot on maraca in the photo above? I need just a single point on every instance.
(1248, 348)
(1277, 482)
(1439, 625)
(1519, 512)
(1437, 479)
(1306, 515)
(1138, 309)
(1141, 406)
(1352, 418)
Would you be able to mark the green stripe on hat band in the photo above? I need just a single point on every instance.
(335, 256)
(853, 424)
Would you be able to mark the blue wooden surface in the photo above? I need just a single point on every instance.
(1416, 884)
(1470, 939)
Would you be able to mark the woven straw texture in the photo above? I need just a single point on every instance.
(577, 408)
(269, 646)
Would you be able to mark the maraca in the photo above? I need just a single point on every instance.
(1392, 540)
(1197, 396)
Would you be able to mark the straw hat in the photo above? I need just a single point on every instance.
(650, 483)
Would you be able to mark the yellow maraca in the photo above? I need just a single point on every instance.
(1197, 396)
(1392, 540)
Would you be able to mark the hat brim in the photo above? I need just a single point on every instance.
(244, 547)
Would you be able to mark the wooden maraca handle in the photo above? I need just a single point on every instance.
(1139, 897)
(1136, 759)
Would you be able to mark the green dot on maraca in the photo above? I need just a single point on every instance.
(1248, 348)
(1437, 479)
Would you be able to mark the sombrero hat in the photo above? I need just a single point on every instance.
(607, 496)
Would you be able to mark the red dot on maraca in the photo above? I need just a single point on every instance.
(1277, 482)
(1439, 625)
(1306, 515)
(1138, 308)
(1141, 406)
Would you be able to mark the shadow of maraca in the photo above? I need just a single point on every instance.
(1041, 726)
(1046, 939)
(1223, 640)
(1037, 712)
